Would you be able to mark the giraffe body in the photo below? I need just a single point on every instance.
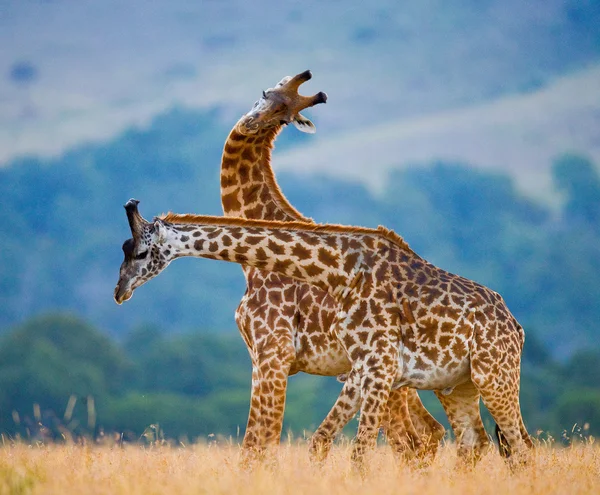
(397, 313)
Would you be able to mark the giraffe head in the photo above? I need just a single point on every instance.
(145, 253)
(281, 105)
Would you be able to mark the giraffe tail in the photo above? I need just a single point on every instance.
(503, 445)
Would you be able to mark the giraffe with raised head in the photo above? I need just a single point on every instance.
(401, 320)
(286, 323)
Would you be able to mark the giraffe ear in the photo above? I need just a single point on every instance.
(303, 124)
(159, 231)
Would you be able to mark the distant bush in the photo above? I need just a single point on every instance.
(61, 378)
(578, 411)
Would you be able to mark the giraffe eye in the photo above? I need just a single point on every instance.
(141, 255)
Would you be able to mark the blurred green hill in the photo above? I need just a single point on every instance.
(61, 379)
(64, 225)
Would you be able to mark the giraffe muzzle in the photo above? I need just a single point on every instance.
(122, 294)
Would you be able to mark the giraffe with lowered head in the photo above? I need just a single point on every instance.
(286, 323)
(401, 320)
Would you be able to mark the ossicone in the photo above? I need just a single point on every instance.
(131, 205)
(136, 221)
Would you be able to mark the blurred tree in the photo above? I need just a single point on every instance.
(583, 368)
(176, 415)
(535, 353)
(328, 201)
(50, 358)
(469, 209)
(580, 407)
(195, 364)
(141, 340)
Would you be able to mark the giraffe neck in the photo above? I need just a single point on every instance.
(248, 185)
(328, 260)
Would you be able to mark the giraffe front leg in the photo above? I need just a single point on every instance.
(275, 364)
(377, 376)
(345, 407)
(253, 443)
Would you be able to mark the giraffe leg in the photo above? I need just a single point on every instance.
(398, 426)
(396, 422)
(375, 387)
(374, 368)
(275, 360)
(272, 355)
(430, 431)
(524, 433)
(252, 445)
(462, 408)
(497, 376)
(345, 407)
(503, 404)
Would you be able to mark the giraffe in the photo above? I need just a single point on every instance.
(300, 339)
(401, 320)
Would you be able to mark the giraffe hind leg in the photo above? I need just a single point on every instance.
(397, 425)
(503, 445)
(462, 409)
(500, 393)
(503, 405)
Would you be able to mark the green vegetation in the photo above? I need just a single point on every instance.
(153, 360)
(191, 385)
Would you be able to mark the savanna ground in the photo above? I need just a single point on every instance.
(198, 469)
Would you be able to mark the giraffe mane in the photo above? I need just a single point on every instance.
(189, 218)
(393, 237)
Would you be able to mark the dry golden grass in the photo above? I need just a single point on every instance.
(199, 469)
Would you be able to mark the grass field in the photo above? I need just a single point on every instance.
(61, 469)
